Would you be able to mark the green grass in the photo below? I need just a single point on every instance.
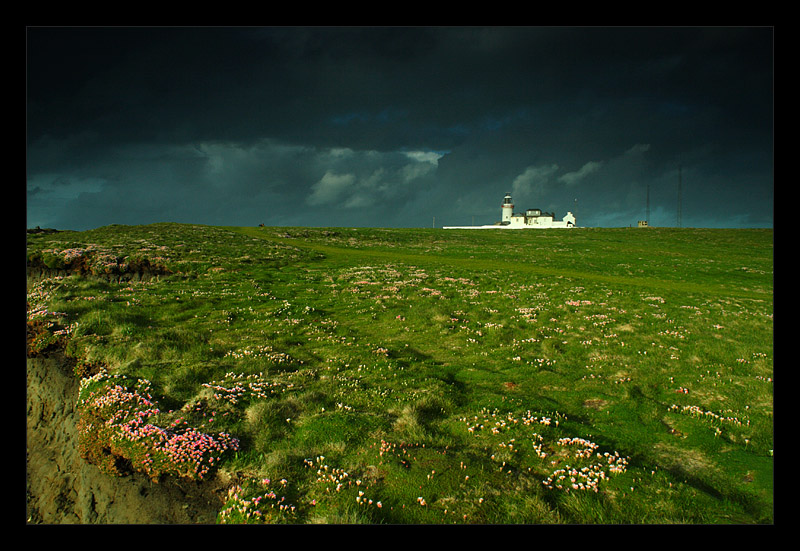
(431, 376)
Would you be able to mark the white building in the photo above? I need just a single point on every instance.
(533, 218)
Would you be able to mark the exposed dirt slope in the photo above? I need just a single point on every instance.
(62, 488)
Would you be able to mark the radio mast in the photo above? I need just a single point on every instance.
(680, 178)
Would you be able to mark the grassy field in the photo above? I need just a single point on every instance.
(425, 376)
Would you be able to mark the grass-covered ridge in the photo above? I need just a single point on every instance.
(427, 376)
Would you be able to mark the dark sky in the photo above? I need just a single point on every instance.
(393, 126)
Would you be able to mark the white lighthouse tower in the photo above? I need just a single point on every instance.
(507, 209)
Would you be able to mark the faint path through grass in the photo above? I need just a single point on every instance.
(395, 256)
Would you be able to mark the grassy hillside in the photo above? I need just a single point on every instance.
(424, 376)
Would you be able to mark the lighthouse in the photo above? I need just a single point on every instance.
(532, 218)
(507, 209)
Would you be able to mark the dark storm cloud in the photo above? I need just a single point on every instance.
(392, 126)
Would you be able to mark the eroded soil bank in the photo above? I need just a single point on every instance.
(61, 488)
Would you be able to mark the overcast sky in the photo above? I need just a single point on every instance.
(396, 126)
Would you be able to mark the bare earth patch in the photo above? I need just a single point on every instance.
(595, 403)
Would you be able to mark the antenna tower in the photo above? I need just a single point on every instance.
(680, 182)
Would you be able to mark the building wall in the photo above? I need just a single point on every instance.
(521, 221)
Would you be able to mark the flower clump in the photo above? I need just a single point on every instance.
(117, 429)
(264, 351)
(593, 467)
(44, 327)
(572, 463)
(235, 387)
(578, 302)
(333, 480)
(700, 413)
(257, 503)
